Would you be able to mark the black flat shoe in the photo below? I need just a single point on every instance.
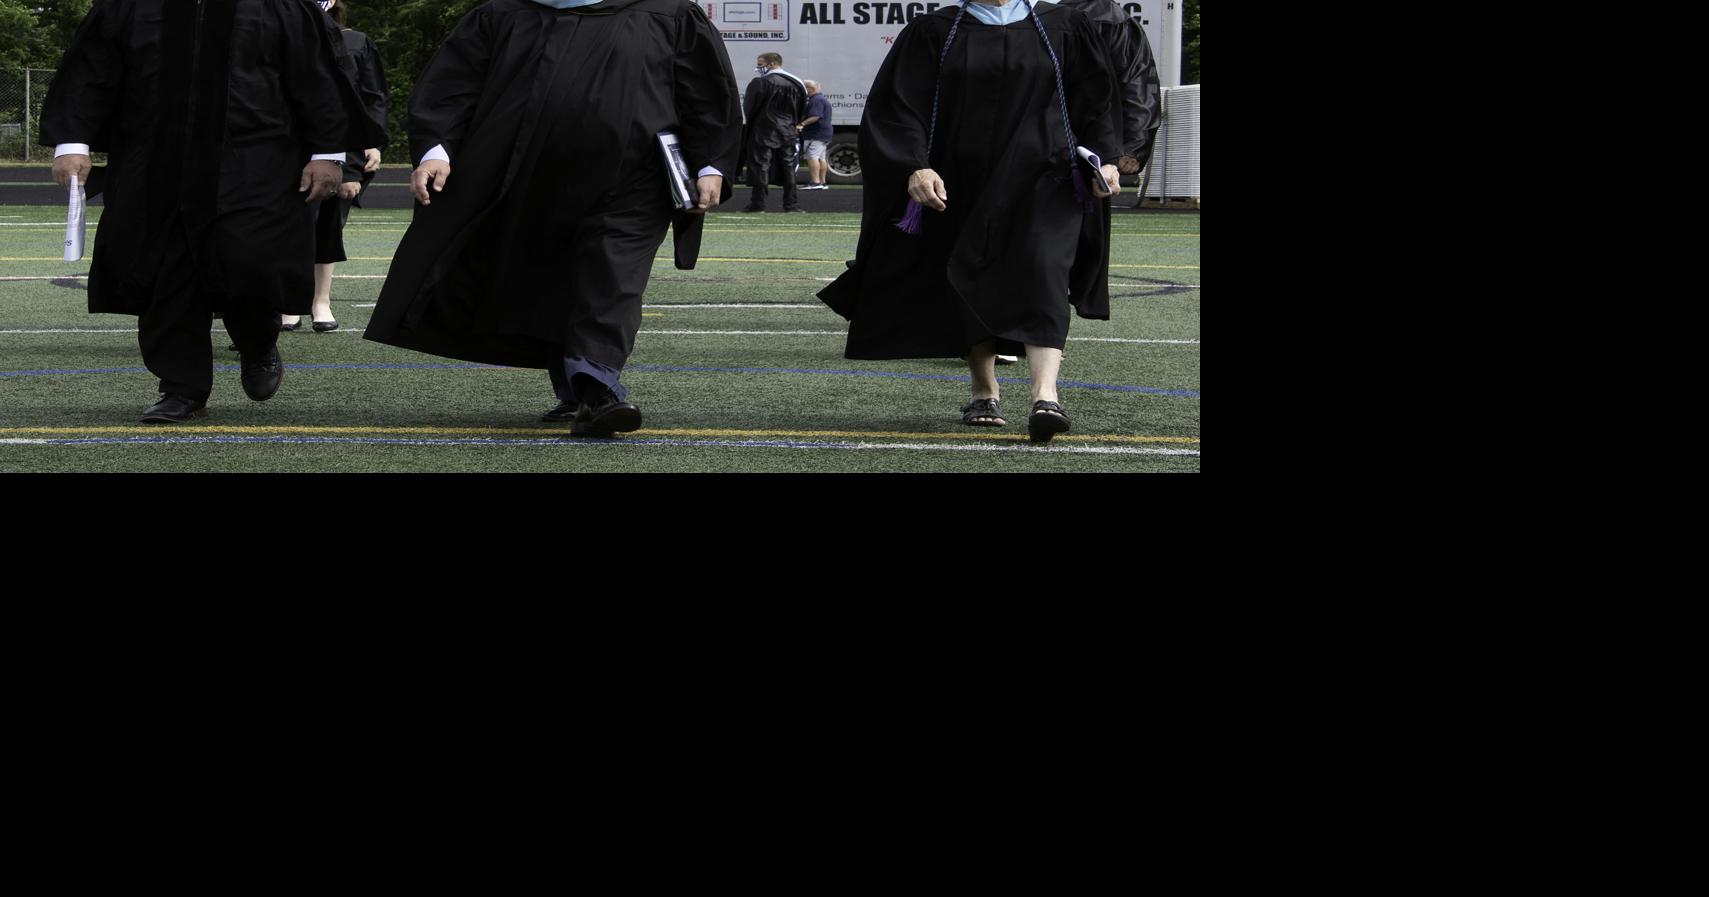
(325, 326)
(174, 409)
(261, 376)
(291, 328)
(604, 416)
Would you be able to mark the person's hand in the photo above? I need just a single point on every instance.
(371, 159)
(433, 171)
(1111, 181)
(320, 180)
(927, 189)
(349, 189)
(711, 187)
(1127, 165)
(71, 164)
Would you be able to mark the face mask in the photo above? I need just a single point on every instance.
(325, 5)
(761, 69)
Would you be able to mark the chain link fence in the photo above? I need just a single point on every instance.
(21, 95)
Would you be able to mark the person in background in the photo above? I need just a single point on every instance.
(773, 104)
(359, 168)
(816, 133)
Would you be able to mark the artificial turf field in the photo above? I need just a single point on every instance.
(738, 368)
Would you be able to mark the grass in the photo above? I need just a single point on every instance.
(752, 389)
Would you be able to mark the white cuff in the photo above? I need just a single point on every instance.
(68, 149)
(327, 157)
(709, 171)
(438, 152)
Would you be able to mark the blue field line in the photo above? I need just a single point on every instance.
(548, 442)
(288, 366)
(651, 368)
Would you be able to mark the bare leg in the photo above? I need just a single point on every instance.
(981, 364)
(1045, 363)
(983, 410)
(323, 293)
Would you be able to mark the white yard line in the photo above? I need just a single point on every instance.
(1072, 339)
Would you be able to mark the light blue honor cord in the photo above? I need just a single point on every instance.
(1008, 13)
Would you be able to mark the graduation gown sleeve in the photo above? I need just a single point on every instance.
(90, 81)
(705, 105)
(445, 98)
(1142, 97)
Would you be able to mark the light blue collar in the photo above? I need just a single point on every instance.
(1013, 11)
(572, 4)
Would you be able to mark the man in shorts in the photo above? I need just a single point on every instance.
(816, 134)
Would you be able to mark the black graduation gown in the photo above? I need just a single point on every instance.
(773, 105)
(368, 74)
(997, 262)
(208, 111)
(543, 239)
(1135, 72)
(1139, 114)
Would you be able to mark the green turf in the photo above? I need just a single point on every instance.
(769, 387)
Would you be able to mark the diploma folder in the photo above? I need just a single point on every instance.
(684, 194)
(74, 222)
(1094, 168)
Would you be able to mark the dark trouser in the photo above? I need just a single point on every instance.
(759, 172)
(173, 332)
(578, 378)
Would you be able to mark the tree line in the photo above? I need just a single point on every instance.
(35, 33)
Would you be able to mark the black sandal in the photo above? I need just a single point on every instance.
(1047, 420)
(982, 413)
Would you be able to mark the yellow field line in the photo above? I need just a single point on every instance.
(666, 258)
(561, 431)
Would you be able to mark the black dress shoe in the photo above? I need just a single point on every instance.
(261, 376)
(174, 409)
(566, 411)
(754, 209)
(604, 415)
(325, 326)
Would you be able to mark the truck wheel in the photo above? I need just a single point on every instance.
(844, 159)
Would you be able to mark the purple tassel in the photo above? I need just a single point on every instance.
(1083, 191)
(913, 220)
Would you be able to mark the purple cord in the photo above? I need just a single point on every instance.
(1082, 190)
(913, 220)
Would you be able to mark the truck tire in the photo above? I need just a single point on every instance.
(844, 158)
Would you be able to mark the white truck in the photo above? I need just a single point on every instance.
(840, 44)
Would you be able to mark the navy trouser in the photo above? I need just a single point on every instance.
(568, 389)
